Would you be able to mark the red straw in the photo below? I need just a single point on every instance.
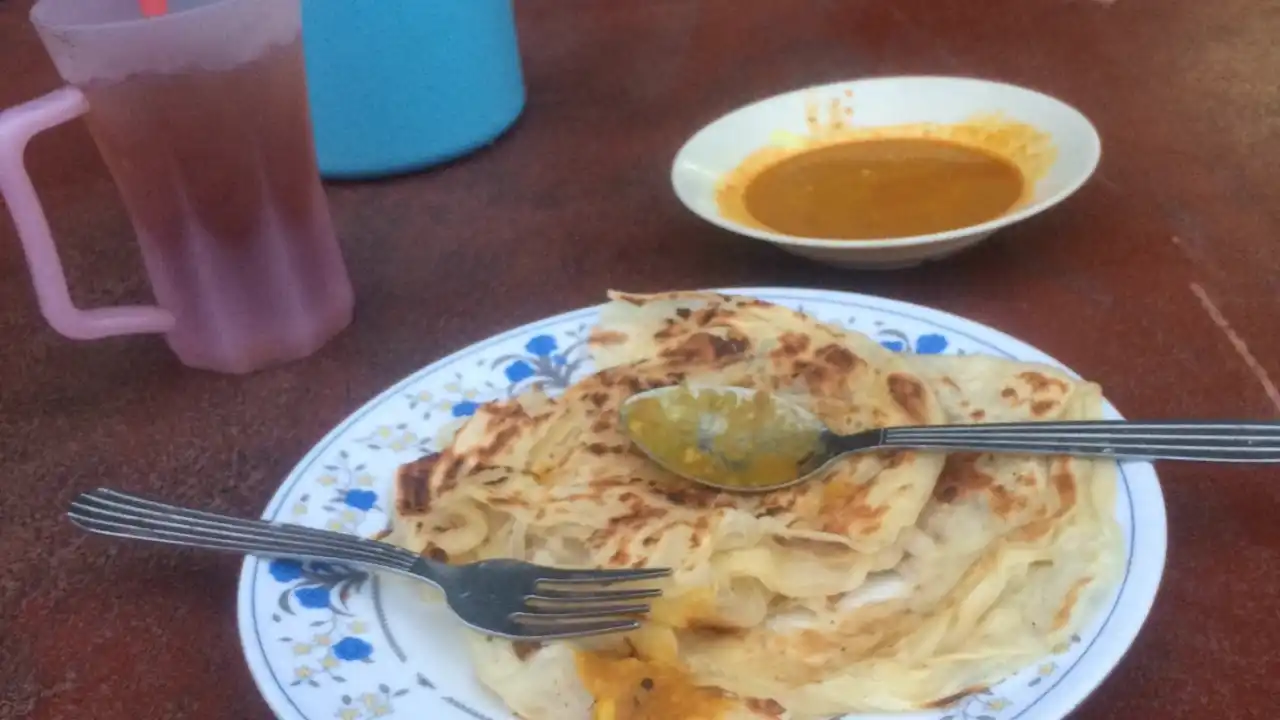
(153, 8)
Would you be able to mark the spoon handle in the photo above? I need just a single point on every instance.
(1218, 441)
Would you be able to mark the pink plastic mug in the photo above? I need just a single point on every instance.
(202, 118)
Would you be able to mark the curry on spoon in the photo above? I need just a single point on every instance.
(748, 440)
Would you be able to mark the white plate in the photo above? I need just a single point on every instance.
(325, 642)
(724, 144)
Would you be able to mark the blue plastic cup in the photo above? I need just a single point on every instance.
(400, 85)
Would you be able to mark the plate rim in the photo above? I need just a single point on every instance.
(1137, 594)
(990, 226)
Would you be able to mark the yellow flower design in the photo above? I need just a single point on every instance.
(322, 640)
(334, 525)
(997, 704)
(348, 714)
(364, 480)
(383, 431)
(381, 711)
(1047, 669)
(423, 396)
(329, 662)
(370, 700)
(357, 627)
(453, 387)
(349, 516)
(404, 442)
(471, 394)
(301, 649)
(299, 509)
(302, 673)
(327, 480)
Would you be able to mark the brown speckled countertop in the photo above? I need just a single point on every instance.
(1158, 280)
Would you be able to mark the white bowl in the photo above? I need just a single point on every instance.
(721, 146)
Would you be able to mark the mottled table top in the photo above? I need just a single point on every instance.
(1158, 280)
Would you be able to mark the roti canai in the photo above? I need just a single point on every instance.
(894, 581)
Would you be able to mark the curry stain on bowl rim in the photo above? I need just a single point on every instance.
(711, 176)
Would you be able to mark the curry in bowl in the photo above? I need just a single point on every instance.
(873, 183)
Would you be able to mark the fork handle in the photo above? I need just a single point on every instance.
(1220, 441)
(109, 512)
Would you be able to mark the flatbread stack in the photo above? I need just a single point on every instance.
(895, 581)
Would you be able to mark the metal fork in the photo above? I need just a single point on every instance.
(507, 598)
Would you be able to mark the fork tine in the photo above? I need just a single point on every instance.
(590, 595)
(534, 613)
(567, 630)
(599, 577)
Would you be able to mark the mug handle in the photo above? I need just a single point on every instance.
(18, 125)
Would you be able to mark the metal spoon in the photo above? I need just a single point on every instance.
(793, 433)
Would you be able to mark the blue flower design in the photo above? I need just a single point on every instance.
(931, 344)
(350, 648)
(519, 370)
(541, 345)
(360, 499)
(466, 408)
(893, 345)
(285, 570)
(560, 360)
(316, 598)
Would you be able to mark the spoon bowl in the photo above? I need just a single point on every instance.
(733, 438)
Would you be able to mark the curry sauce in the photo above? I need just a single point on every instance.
(754, 445)
(633, 689)
(883, 188)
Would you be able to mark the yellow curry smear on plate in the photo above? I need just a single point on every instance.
(629, 688)
(842, 182)
(722, 437)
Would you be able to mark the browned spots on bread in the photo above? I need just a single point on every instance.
(705, 348)
(1064, 482)
(668, 330)
(599, 448)
(413, 485)
(1005, 503)
(1041, 408)
(893, 458)
(950, 700)
(1032, 531)
(608, 338)
(791, 344)
(706, 315)
(910, 394)
(1040, 382)
(525, 649)
(960, 477)
(1063, 615)
(839, 357)
(847, 508)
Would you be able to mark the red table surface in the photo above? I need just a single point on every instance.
(1158, 280)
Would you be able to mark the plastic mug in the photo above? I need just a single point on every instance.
(399, 85)
(202, 118)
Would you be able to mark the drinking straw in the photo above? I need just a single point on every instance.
(153, 8)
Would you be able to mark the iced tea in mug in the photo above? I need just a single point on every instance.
(201, 115)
